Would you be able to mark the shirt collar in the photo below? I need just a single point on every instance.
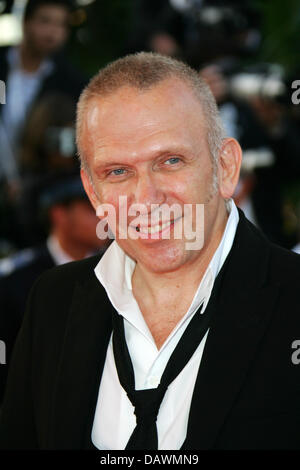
(14, 60)
(114, 271)
(218, 259)
(58, 255)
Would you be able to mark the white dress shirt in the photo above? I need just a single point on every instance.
(296, 248)
(114, 418)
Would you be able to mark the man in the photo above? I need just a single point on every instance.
(72, 236)
(31, 70)
(201, 352)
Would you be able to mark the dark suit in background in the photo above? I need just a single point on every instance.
(247, 391)
(26, 267)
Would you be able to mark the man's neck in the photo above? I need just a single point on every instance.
(159, 288)
(30, 61)
(160, 295)
(74, 250)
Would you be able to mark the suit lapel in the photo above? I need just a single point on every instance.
(244, 308)
(81, 365)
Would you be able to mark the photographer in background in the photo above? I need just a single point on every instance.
(47, 146)
(196, 30)
(48, 141)
(254, 110)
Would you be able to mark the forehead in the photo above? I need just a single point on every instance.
(49, 10)
(130, 112)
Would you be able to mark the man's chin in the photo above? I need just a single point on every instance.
(157, 256)
(45, 50)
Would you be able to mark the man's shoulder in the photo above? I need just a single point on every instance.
(24, 261)
(279, 264)
(61, 289)
(71, 273)
(285, 264)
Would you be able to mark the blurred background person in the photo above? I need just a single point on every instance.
(258, 117)
(48, 141)
(35, 67)
(29, 71)
(71, 224)
(47, 146)
(235, 44)
(196, 30)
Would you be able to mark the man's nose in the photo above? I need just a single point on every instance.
(148, 191)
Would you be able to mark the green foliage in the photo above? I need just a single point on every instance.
(102, 37)
(280, 32)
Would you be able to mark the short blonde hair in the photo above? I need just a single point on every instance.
(144, 71)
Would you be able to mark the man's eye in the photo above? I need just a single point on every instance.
(172, 161)
(117, 172)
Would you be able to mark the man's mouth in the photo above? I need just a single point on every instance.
(154, 228)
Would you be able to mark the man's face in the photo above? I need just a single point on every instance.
(47, 30)
(152, 148)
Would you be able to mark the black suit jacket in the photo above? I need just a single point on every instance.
(14, 291)
(247, 390)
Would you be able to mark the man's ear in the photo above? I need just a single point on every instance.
(230, 160)
(89, 188)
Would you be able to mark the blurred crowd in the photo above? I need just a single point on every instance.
(222, 40)
(45, 217)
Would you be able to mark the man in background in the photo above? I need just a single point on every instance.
(72, 236)
(30, 70)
